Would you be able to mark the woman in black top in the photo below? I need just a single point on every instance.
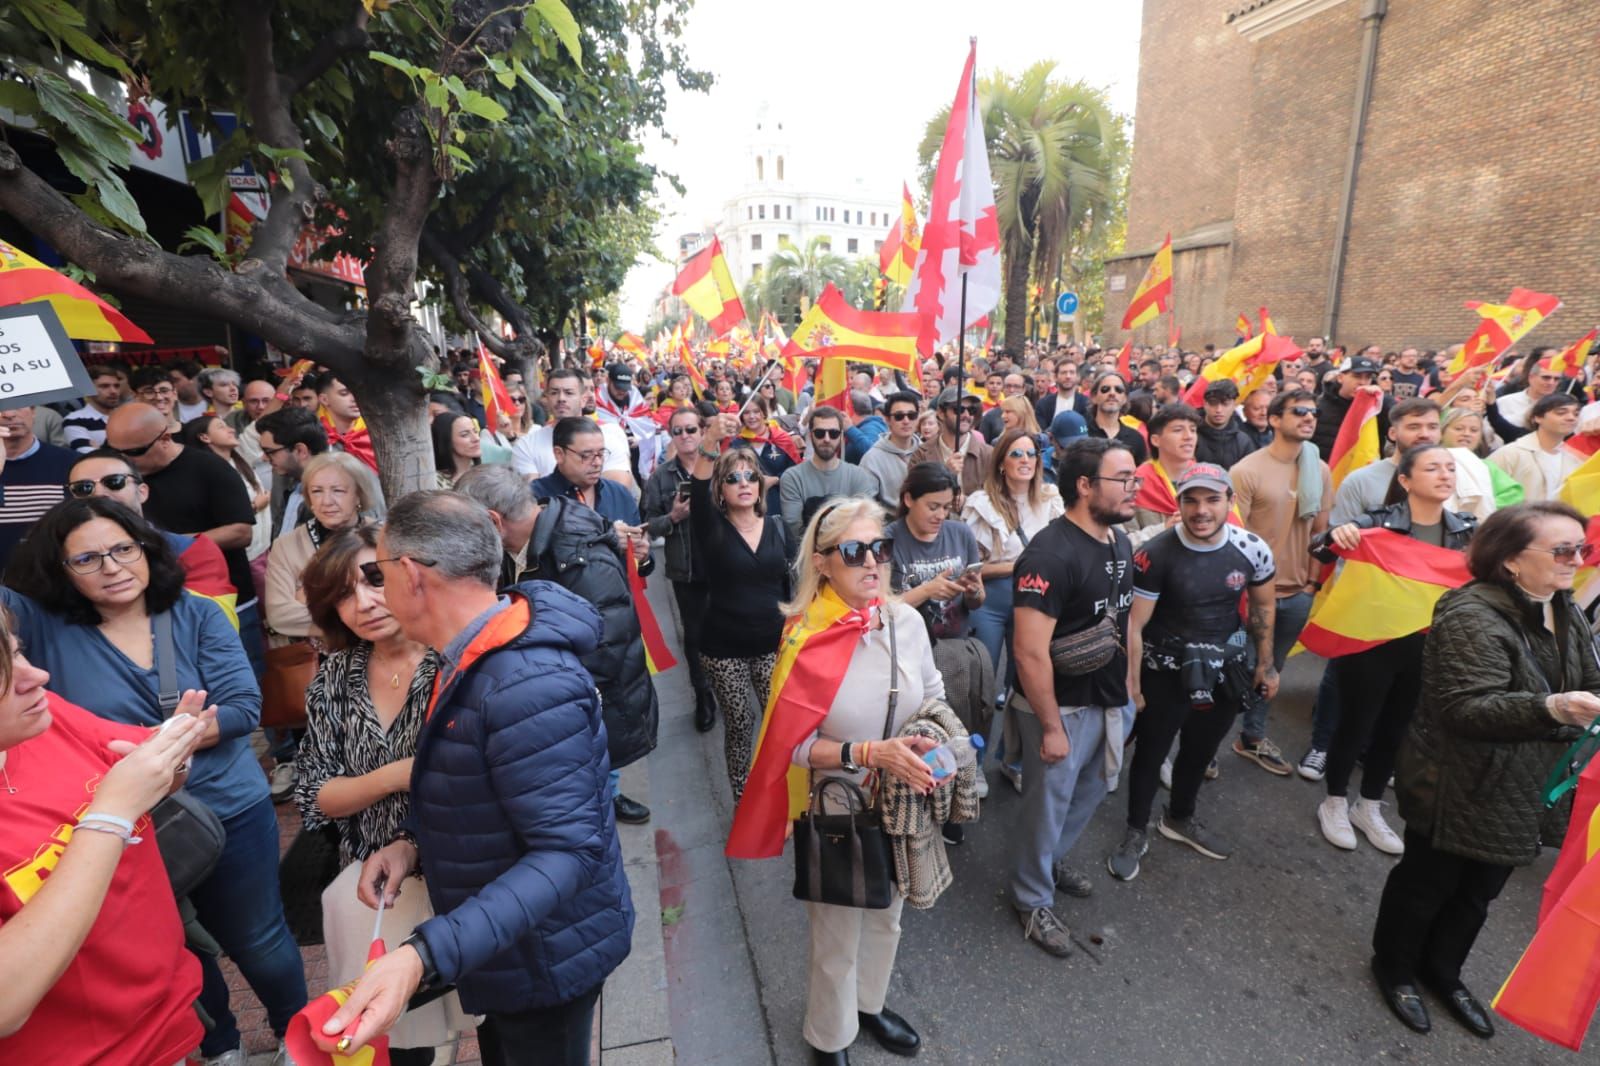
(740, 549)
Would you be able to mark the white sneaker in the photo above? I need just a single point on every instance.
(1333, 814)
(236, 1057)
(1166, 774)
(1012, 774)
(1367, 816)
(280, 781)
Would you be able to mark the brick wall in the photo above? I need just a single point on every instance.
(1186, 157)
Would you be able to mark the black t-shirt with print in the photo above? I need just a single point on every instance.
(1197, 587)
(1075, 579)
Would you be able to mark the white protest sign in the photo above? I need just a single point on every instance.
(38, 363)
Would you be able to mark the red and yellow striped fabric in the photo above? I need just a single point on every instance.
(1502, 326)
(706, 285)
(1570, 362)
(1357, 442)
(85, 316)
(1387, 589)
(657, 655)
(833, 330)
(897, 259)
(1154, 294)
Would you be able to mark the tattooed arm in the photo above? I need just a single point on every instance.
(1259, 625)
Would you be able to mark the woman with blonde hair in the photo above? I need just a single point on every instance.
(848, 642)
(1017, 413)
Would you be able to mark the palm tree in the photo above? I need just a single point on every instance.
(1057, 153)
(795, 277)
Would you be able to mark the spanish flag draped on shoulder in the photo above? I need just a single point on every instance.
(1154, 294)
(85, 316)
(1386, 590)
(812, 661)
(706, 285)
(832, 329)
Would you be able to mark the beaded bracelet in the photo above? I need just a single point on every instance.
(98, 822)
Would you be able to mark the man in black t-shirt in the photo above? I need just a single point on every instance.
(193, 490)
(1190, 676)
(1073, 575)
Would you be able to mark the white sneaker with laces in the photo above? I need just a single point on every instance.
(1367, 816)
(1333, 814)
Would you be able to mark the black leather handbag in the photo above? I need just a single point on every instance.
(845, 859)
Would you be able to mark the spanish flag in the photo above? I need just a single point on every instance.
(1570, 362)
(1357, 442)
(1581, 490)
(310, 1046)
(1154, 294)
(707, 286)
(833, 330)
(1387, 589)
(1125, 361)
(898, 257)
(492, 392)
(1502, 326)
(657, 655)
(85, 316)
(1158, 494)
(1553, 989)
(1242, 328)
(633, 344)
(833, 387)
(812, 661)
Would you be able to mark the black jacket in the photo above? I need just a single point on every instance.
(1259, 438)
(577, 549)
(1331, 409)
(660, 491)
(1473, 765)
(1224, 446)
(1044, 409)
(1458, 528)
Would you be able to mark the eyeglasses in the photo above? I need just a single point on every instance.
(684, 431)
(1110, 388)
(115, 482)
(158, 390)
(903, 416)
(372, 573)
(827, 434)
(1566, 553)
(593, 455)
(134, 453)
(1018, 453)
(126, 553)
(740, 477)
(855, 552)
(1130, 483)
(1302, 412)
(268, 452)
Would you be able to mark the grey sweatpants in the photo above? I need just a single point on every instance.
(1058, 799)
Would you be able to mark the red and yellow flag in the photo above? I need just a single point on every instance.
(1502, 326)
(812, 661)
(492, 387)
(833, 330)
(1387, 589)
(897, 259)
(1570, 362)
(685, 355)
(1357, 442)
(633, 344)
(706, 285)
(85, 316)
(1242, 327)
(657, 655)
(1581, 490)
(1125, 361)
(1154, 294)
(833, 387)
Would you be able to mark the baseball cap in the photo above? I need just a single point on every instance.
(1360, 364)
(621, 373)
(1068, 426)
(1203, 476)
(950, 397)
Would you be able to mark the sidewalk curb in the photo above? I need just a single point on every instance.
(635, 1023)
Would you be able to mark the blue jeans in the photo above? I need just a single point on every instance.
(240, 907)
(992, 625)
(250, 636)
(1289, 620)
(1325, 711)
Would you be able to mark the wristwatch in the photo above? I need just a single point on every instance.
(430, 972)
(845, 762)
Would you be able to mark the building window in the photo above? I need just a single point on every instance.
(877, 246)
(858, 218)
(788, 214)
(755, 242)
(761, 211)
(826, 246)
(850, 246)
(777, 212)
(780, 168)
(760, 166)
(749, 212)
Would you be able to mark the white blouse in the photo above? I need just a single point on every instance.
(999, 542)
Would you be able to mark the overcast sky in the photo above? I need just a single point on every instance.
(854, 82)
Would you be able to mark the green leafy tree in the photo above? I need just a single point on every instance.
(1057, 153)
(795, 277)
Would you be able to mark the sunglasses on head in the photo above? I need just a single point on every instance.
(827, 434)
(739, 477)
(134, 453)
(115, 482)
(855, 552)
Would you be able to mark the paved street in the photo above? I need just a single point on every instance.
(1259, 959)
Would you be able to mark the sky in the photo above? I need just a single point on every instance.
(854, 82)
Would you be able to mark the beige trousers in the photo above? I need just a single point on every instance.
(851, 957)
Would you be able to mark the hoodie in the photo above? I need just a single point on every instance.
(887, 462)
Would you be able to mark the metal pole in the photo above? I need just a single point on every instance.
(961, 364)
(1372, 13)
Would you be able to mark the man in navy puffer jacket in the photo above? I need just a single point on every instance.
(511, 816)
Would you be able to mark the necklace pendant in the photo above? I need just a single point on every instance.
(394, 682)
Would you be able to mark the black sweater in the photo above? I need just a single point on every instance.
(742, 619)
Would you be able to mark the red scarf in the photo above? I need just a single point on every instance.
(774, 436)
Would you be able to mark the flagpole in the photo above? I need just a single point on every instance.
(775, 364)
(961, 365)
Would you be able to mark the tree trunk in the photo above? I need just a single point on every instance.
(1016, 283)
(396, 411)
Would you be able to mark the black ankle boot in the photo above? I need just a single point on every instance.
(705, 711)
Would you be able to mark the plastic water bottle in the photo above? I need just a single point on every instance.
(952, 755)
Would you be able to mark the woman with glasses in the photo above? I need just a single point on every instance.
(213, 432)
(1108, 399)
(520, 419)
(1378, 687)
(457, 447)
(99, 602)
(848, 643)
(1014, 504)
(775, 449)
(742, 550)
(364, 711)
(1508, 668)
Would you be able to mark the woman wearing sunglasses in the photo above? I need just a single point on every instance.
(775, 449)
(741, 550)
(363, 713)
(99, 602)
(1378, 687)
(1507, 668)
(848, 642)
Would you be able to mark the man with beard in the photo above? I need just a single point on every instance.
(1065, 398)
(1109, 398)
(954, 445)
(804, 488)
(1076, 574)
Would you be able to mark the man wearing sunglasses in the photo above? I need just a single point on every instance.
(31, 475)
(956, 445)
(1109, 399)
(803, 488)
(890, 457)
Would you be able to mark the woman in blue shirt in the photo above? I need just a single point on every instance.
(90, 588)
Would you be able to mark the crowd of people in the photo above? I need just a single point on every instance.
(209, 598)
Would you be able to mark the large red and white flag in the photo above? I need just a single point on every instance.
(962, 236)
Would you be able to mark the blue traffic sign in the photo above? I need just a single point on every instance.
(1067, 303)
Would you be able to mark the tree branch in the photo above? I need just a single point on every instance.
(348, 38)
(455, 287)
(394, 260)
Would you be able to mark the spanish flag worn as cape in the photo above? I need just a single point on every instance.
(1387, 589)
(811, 665)
(355, 440)
(1554, 988)
(771, 434)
